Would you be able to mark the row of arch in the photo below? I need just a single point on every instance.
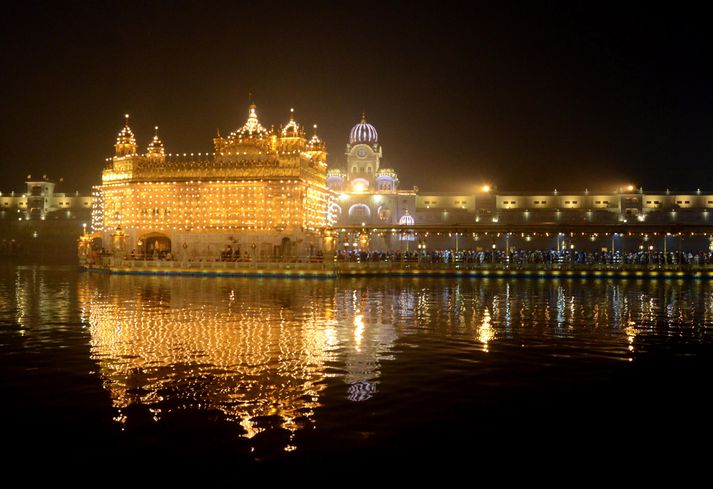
(382, 183)
(383, 213)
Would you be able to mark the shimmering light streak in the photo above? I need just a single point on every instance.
(486, 334)
(358, 331)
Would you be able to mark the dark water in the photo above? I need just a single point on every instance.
(246, 373)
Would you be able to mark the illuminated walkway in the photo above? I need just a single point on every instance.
(403, 269)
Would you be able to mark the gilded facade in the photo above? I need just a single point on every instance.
(261, 194)
(269, 194)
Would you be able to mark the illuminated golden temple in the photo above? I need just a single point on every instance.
(261, 194)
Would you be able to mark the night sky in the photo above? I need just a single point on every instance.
(535, 96)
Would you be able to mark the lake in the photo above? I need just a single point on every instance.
(247, 373)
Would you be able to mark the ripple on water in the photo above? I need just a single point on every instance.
(288, 366)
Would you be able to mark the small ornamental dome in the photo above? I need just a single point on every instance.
(292, 129)
(363, 133)
(125, 140)
(126, 135)
(315, 143)
(386, 174)
(252, 127)
(155, 148)
(335, 179)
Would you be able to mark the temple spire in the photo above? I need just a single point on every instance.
(316, 147)
(252, 127)
(125, 140)
(292, 128)
(155, 149)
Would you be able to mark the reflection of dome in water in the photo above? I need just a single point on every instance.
(361, 391)
(243, 351)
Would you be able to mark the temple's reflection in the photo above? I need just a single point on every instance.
(261, 349)
(264, 352)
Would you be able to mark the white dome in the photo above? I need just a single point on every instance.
(363, 133)
(406, 220)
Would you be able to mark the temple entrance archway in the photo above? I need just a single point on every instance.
(97, 244)
(154, 245)
(285, 247)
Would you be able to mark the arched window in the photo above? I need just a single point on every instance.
(359, 210)
(384, 214)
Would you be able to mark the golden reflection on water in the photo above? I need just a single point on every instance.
(220, 356)
(263, 350)
(631, 332)
(485, 331)
(358, 331)
(257, 349)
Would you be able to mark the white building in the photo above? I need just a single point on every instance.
(40, 201)
(367, 192)
(370, 194)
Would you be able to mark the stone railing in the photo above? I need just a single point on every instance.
(316, 263)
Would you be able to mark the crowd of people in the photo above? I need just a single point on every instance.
(533, 257)
(515, 257)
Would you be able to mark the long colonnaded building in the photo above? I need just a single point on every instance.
(42, 220)
(369, 196)
(261, 194)
(42, 201)
(369, 193)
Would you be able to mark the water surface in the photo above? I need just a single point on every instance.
(262, 372)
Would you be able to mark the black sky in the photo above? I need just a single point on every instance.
(534, 96)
